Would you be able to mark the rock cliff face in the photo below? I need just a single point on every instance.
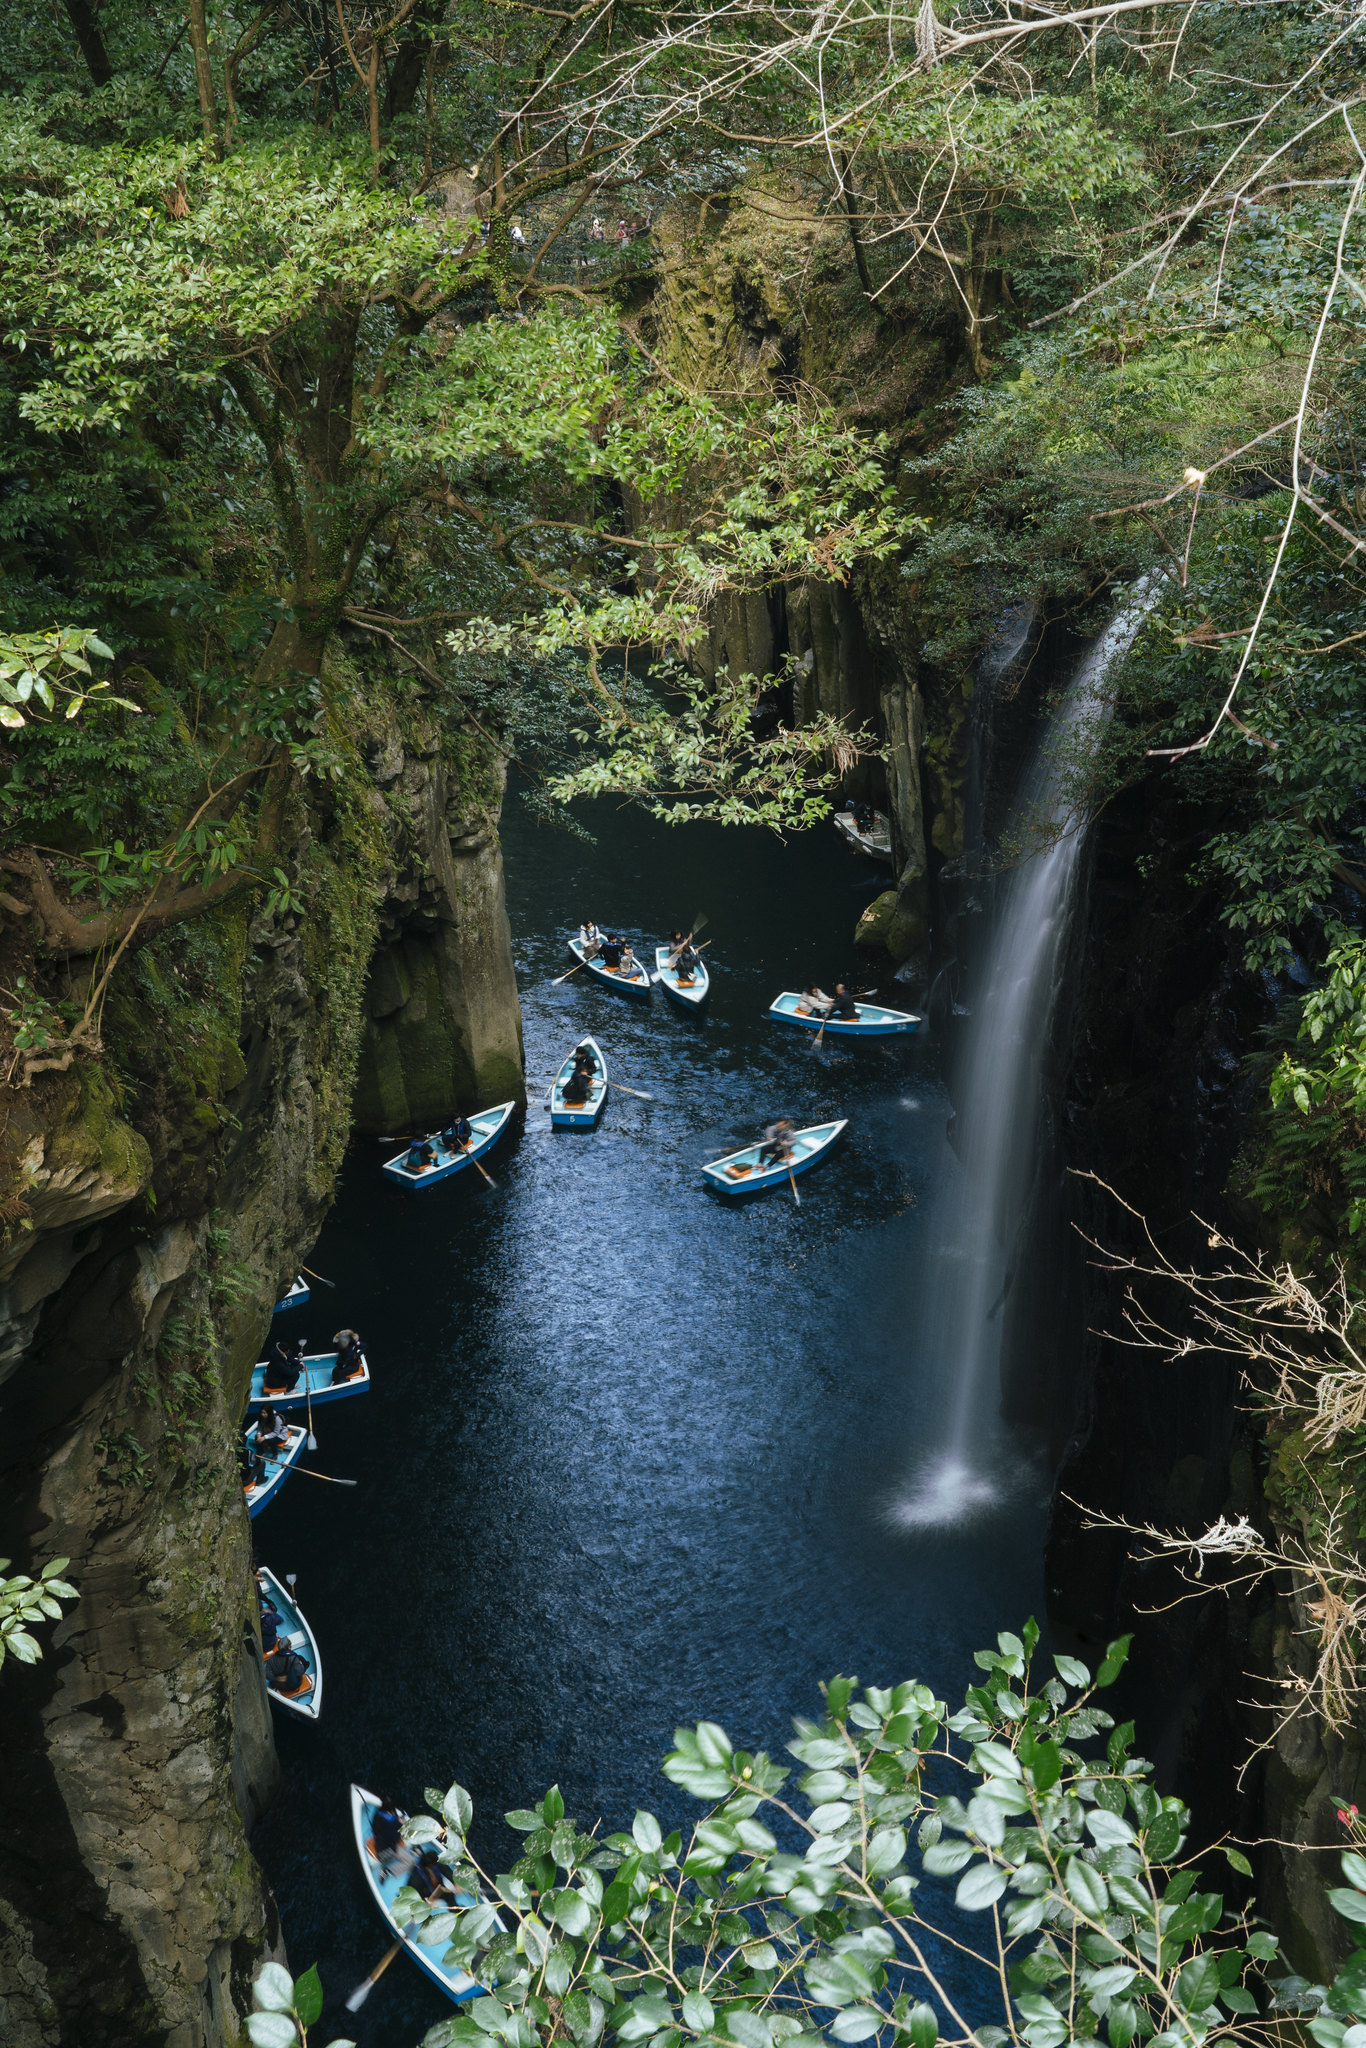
(159, 1203)
(754, 292)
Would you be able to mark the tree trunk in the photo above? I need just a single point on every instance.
(203, 71)
(82, 17)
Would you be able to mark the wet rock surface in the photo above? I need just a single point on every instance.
(166, 1198)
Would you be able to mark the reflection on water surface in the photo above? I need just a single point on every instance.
(633, 1454)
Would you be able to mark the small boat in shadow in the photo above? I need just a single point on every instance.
(487, 1126)
(275, 1468)
(876, 843)
(315, 1386)
(295, 1296)
(306, 1700)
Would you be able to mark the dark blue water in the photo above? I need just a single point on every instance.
(633, 1456)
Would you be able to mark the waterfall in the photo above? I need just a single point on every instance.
(977, 1226)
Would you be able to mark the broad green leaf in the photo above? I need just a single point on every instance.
(1072, 1672)
(1114, 1660)
(308, 1996)
(923, 2027)
(272, 2030)
(980, 1887)
(1085, 1887)
(698, 2012)
(713, 1743)
(856, 2023)
(572, 1912)
(273, 1989)
(1351, 1904)
(647, 1832)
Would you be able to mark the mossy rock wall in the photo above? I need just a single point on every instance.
(159, 1202)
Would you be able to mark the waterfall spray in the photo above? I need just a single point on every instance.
(976, 1227)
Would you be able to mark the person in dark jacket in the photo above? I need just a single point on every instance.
(429, 1880)
(350, 1357)
(284, 1367)
(842, 1004)
(285, 1670)
(611, 952)
(577, 1089)
(270, 1625)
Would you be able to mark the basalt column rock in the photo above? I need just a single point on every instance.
(443, 1030)
(155, 1204)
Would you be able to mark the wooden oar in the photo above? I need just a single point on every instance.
(793, 1179)
(631, 1091)
(308, 1403)
(573, 970)
(698, 922)
(701, 949)
(363, 1989)
(422, 1141)
(316, 1276)
(309, 1473)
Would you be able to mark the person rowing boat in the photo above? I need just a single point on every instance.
(776, 1149)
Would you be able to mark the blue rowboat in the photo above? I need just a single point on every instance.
(278, 1469)
(579, 1116)
(315, 1384)
(740, 1173)
(295, 1297)
(877, 844)
(872, 1020)
(637, 984)
(690, 995)
(385, 1887)
(306, 1703)
(487, 1126)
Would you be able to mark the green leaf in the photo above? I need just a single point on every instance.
(572, 1912)
(980, 1887)
(1351, 1904)
(923, 2027)
(457, 1809)
(1085, 1887)
(520, 1817)
(1114, 1660)
(1162, 1838)
(698, 2012)
(616, 1903)
(1046, 1766)
(1238, 1861)
(552, 1806)
(272, 2030)
(1072, 1672)
(273, 1989)
(713, 1744)
(647, 1831)
(1353, 1869)
(308, 1996)
(856, 2023)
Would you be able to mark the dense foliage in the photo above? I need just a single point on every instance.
(790, 1916)
(307, 334)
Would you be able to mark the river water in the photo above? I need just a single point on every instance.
(633, 1456)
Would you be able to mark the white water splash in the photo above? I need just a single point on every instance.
(978, 1222)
